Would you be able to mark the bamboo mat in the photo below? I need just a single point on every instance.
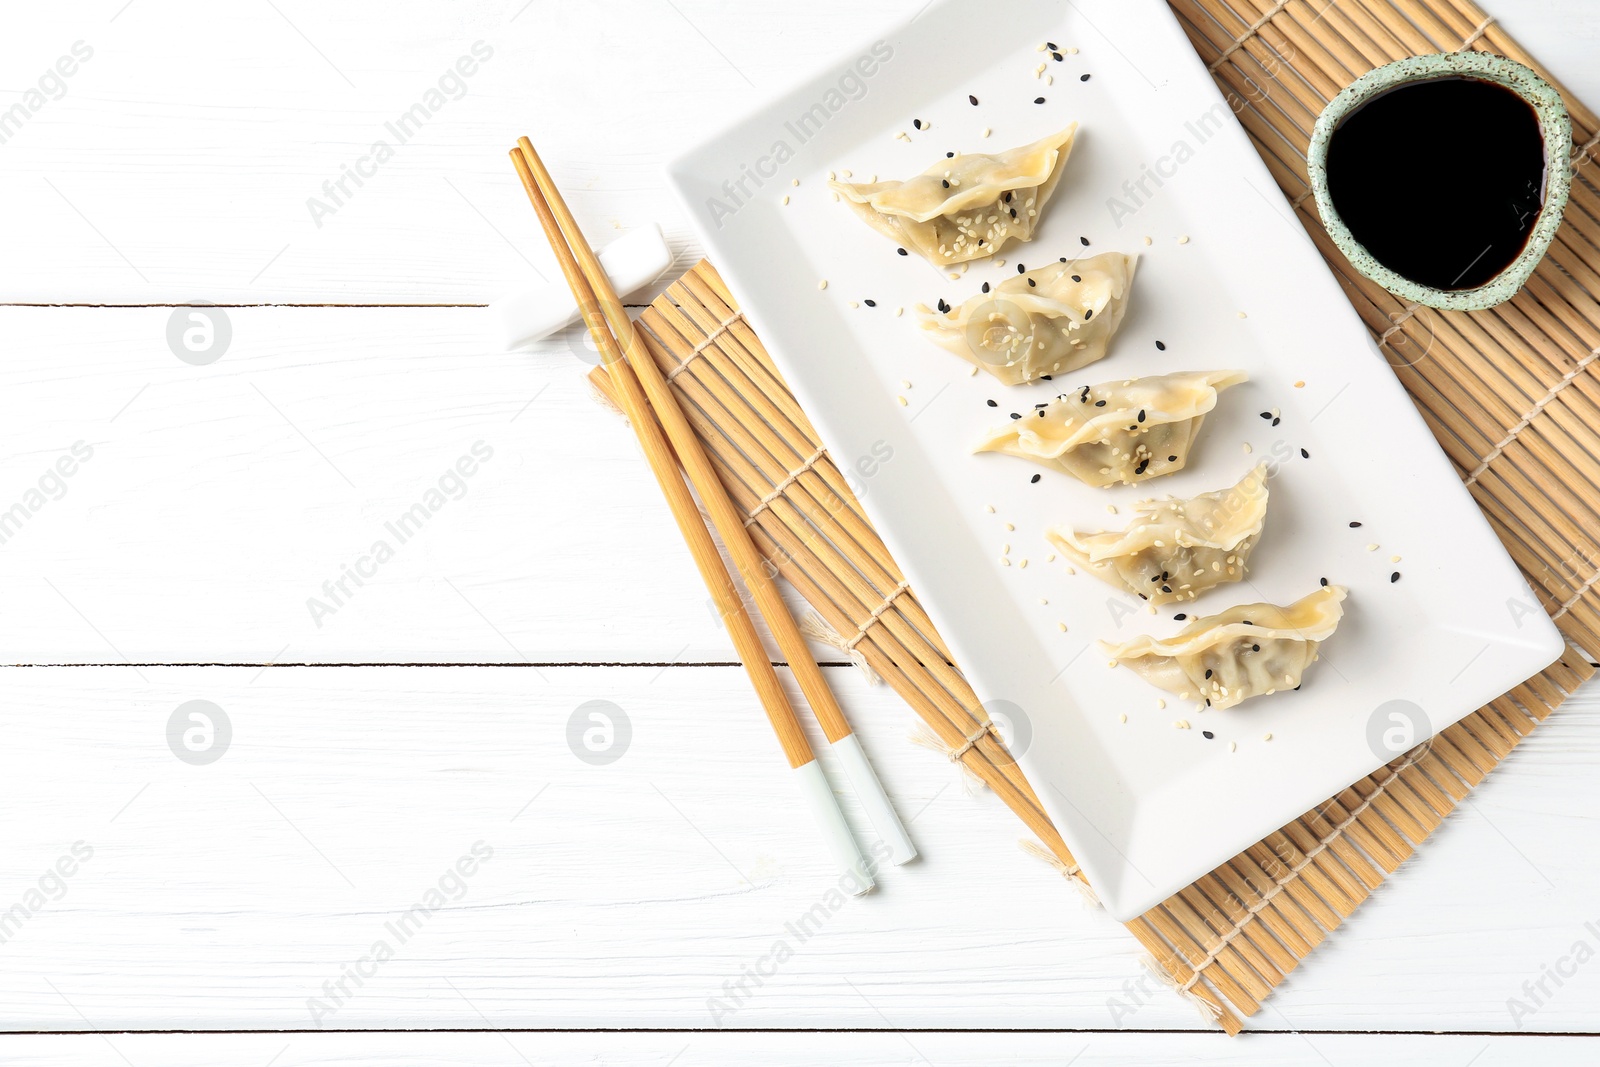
(1508, 392)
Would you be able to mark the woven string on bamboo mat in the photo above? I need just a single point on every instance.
(1508, 392)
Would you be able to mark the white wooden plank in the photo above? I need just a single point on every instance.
(179, 162)
(225, 895)
(217, 500)
(845, 1050)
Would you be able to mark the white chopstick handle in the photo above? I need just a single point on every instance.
(870, 792)
(830, 820)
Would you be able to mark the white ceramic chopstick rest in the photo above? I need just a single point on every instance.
(632, 262)
(873, 798)
(830, 820)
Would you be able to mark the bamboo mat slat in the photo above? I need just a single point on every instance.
(1512, 394)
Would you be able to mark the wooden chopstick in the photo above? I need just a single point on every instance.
(752, 566)
(730, 605)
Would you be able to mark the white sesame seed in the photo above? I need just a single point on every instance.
(973, 373)
(1247, 448)
(1372, 548)
(1111, 509)
(989, 508)
(1072, 51)
(1242, 315)
(1184, 239)
(1148, 241)
(795, 182)
(1233, 746)
(831, 175)
(854, 304)
(898, 312)
(1004, 562)
(1123, 717)
(1009, 527)
(903, 401)
(986, 132)
(845, 173)
(1181, 724)
(786, 201)
(1022, 563)
(1266, 737)
(1160, 703)
(1394, 559)
(823, 284)
(1063, 628)
(1005, 549)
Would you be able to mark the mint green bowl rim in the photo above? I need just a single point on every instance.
(1554, 124)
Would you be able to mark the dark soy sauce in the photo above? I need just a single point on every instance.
(1441, 180)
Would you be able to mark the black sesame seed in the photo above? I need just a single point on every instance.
(1355, 525)
(1395, 577)
(1034, 479)
(1297, 688)
(972, 100)
(870, 303)
(1166, 589)
(1275, 421)
(1208, 702)
(1015, 415)
(1046, 378)
(1021, 268)
(1208, 672)
(1160, 347)
(1075, 277)
(1304, 454)
(1141, 414)
(1143, 464)
(1084, 78)
(1255, 648)
(1267, 415)
(1007, 198)
(1056, 56)
(917, 123)
(1099, 403)
(1207, 734)
(1324, 581)
(1032, 284)
(902, 251)
(1064, 259)
(1089, 314)
(1172, 459)
(1050, 45)
(986, 287)
(943, 306)
(992, 404)
(1038, 100)
(1013, 212)
(949, 155)
(1247, 622)
(945, 182)
(1084, 241)
(1180, 616)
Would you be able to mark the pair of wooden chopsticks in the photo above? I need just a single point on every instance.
(663, 429)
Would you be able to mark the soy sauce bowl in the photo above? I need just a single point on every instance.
(1555, 127)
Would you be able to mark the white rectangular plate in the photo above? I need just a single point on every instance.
(1227, 280)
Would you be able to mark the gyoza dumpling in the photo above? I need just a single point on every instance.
(967, 206)
(1124, 431)
(1051, 320)
(1176, 549)
(1247, 651)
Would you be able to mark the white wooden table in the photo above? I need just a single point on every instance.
(425, 716)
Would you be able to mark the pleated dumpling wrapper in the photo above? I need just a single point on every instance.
(1247, 651)
(1051, 320)
(967, 206)
(1126, 431)
(1175, 549)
